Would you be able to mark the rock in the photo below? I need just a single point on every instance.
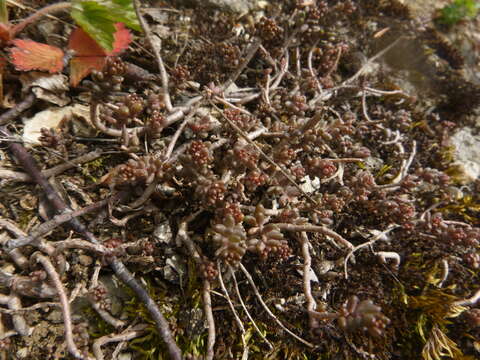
(175, 269)
(308, 185)
(22, 353)
(85, 260)
(55, 316)
(235, 6)
(163, 233)
(467, 155)
(125, 356)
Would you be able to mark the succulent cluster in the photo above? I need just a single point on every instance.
(141, 170)
(55, 139)
(99, 295)
(297, 152)
(123, 112)
(362, 315)
(264, 238)
(308, 159)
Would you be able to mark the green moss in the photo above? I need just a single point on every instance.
(24, 218)
(429, 317)
(99, 327)
(93, 169)
(468, 207)
(151, 346)
(457, 11)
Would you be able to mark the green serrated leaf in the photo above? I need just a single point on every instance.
(98, 18)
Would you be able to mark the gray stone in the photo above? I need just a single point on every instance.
(467, 154)
(85, 260)
(163, 233)
(55, 316)
(125, 356)
(235, 6)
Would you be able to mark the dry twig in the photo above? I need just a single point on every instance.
(239, 295)
(126, 335)
(158, 56)
(67, 320)
(259, 297)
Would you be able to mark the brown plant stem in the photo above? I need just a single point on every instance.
(184, 238)
(46, 227)
(315, 228)
(269, 312)
(207, 308)
(250, 52)
(244, 307)
(14, 112)
(54, 171)
(19, 323)
(65, 305)
(126, 335)
(307, 268)
(50, 9)
(158, 56)
(105, 315)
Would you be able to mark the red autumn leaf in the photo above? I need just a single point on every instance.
(5, 34)
(91, 56)
(122, 39)
(30, 55)
(3, 63)
(81, 67)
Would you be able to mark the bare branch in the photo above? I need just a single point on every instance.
(105, 315)
(19, 323)
(67, 320)
(126, 335)
(14, 112)
(207, 309)
(315, 228)
(122, 273)
(307, 268)
(250, 52)
(469, 301)
(239, 295)
(259, 297)
(158, 56)
(54, 171)
(230, 304)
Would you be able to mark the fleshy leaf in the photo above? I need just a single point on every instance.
(30, 55)
(89, 55)
(98, 18)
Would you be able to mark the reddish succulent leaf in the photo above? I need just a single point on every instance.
(89, 55)
(31, 55)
